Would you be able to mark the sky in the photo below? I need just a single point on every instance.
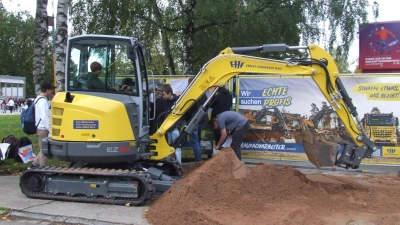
(29, 5)
(388, 12)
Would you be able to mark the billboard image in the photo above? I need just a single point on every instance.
(278, 109)
(380, 46)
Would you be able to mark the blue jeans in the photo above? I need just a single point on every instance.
(380, 44)
(4, 108)
(195, 141)
(171, 137)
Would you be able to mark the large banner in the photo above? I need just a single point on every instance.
(379, 46)
(279, 108)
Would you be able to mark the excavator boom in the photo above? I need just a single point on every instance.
(320, 67)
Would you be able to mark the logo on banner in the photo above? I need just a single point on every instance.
(237, 64)
(390, 151)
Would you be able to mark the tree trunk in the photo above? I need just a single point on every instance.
(167, 51)
(41, 36)
(165, 40)
(61, 42)
(188, 39)
(188, 50)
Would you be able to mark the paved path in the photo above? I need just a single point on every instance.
(69, 212)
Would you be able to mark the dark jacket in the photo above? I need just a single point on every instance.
(195, 107)
(222, 103)
(163, 106)
(94, 82)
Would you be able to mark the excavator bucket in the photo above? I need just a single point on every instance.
(319, 153)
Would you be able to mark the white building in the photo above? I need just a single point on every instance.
(12, 87)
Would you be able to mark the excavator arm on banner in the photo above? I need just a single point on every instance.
(320, 67)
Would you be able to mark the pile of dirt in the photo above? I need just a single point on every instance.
(223, 191)
(193, 167)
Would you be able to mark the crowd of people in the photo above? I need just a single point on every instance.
(223, 122)
(15, 105)
(164, 99)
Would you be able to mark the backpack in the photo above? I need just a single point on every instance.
(28, 122)
(23, 141)
(12, 140)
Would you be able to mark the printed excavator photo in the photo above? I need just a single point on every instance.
(316, 117)
(276, 120)
(103, 130)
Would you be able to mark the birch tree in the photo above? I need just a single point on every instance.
(61, 42)
(41, 38)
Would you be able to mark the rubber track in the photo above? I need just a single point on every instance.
(177, 166)
(140, 176)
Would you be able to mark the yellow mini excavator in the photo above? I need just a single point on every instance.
(100, 123)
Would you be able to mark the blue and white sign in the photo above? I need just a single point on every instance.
(86, 124)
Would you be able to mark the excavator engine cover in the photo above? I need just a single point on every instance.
(320, 153)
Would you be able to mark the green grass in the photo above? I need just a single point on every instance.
(4, 211)
(10, 125)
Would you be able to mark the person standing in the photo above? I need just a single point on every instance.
(383, 33)
(195, 135)
(15, 105)
(173, 132)
(11, 104)
(42, 118)
(275, 123)
(19, 105)
(232, 123)
(222, 103)
(23, 106)
(4, 106)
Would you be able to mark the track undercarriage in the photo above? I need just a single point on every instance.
(100, 185)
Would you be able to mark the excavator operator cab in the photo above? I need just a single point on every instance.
(117, 58)
(104, 110)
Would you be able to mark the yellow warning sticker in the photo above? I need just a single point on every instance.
(204, 85)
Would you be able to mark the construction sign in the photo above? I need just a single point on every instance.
(278, 109)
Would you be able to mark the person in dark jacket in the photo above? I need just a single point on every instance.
(195, 135)
(222, 103)
(93, 80)
(173, 132)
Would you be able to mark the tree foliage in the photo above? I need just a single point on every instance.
(16, 46)
(183, 34)
(16, 43)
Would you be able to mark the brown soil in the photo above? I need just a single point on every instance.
(221, 191)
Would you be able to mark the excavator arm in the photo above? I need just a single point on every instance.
(231, 62)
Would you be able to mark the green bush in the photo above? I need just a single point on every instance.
(11, 125)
